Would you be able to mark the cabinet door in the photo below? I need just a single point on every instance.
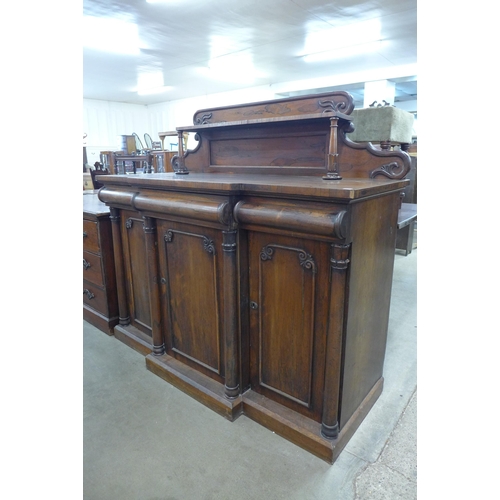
(191, 272)
(136, 271)
(288, 313)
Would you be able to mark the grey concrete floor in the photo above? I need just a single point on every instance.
(146, 440)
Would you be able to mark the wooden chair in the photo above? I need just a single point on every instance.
(98, 170)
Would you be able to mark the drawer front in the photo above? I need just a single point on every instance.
(92, 268)
(90, 236)
(95, 297)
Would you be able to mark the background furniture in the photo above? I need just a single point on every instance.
(162, 161)
(129, 145)
(98, 170)
(148, 141)
(100, 306)
(108, 160)
(257, 277)
(407, 218)
(133, 163)
(174, 135)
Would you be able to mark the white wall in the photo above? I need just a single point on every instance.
(105, 121)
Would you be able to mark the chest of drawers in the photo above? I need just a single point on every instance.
(99, 283)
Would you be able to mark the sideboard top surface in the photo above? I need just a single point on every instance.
(308, 186)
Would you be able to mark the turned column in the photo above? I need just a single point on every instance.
(333, 167)
(232, 387)
(154, 286)
(178, 161)
(339, 264)
(123, 313)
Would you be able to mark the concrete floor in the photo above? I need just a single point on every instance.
(146, 440)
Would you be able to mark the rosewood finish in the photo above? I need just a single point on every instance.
(257, 276)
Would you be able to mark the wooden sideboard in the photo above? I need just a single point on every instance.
(257, 277)
(100, 306)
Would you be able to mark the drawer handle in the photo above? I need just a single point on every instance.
(89, 294)
(85, 234)
(86, 264)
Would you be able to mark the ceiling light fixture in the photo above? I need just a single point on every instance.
(345, 52)
(151, 82)
(342, 41)
(236, 68)
(111, 35)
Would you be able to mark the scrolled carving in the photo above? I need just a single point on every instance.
(129, 223)
(306, 261)
(392, 170)
(332, 106)
(178, 165)
(266, 253)
(208, 245)
(203, 119)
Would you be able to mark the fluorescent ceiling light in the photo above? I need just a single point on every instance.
(236, 68)
(345, 52)
(151, 83)
(111, 35)
(351, 36)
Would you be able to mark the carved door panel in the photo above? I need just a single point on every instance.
(191, 277)
(136, 271)
(288, 312)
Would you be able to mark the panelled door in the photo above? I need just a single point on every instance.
(191, 275)
(136, 270)
(288, 313)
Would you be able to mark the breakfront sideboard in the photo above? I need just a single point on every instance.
(257, 276)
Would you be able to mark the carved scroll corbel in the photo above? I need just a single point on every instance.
(392, 170)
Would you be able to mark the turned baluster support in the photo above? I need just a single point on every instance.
(178, 164)
(333, 174)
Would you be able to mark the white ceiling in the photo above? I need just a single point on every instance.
(261, 41)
